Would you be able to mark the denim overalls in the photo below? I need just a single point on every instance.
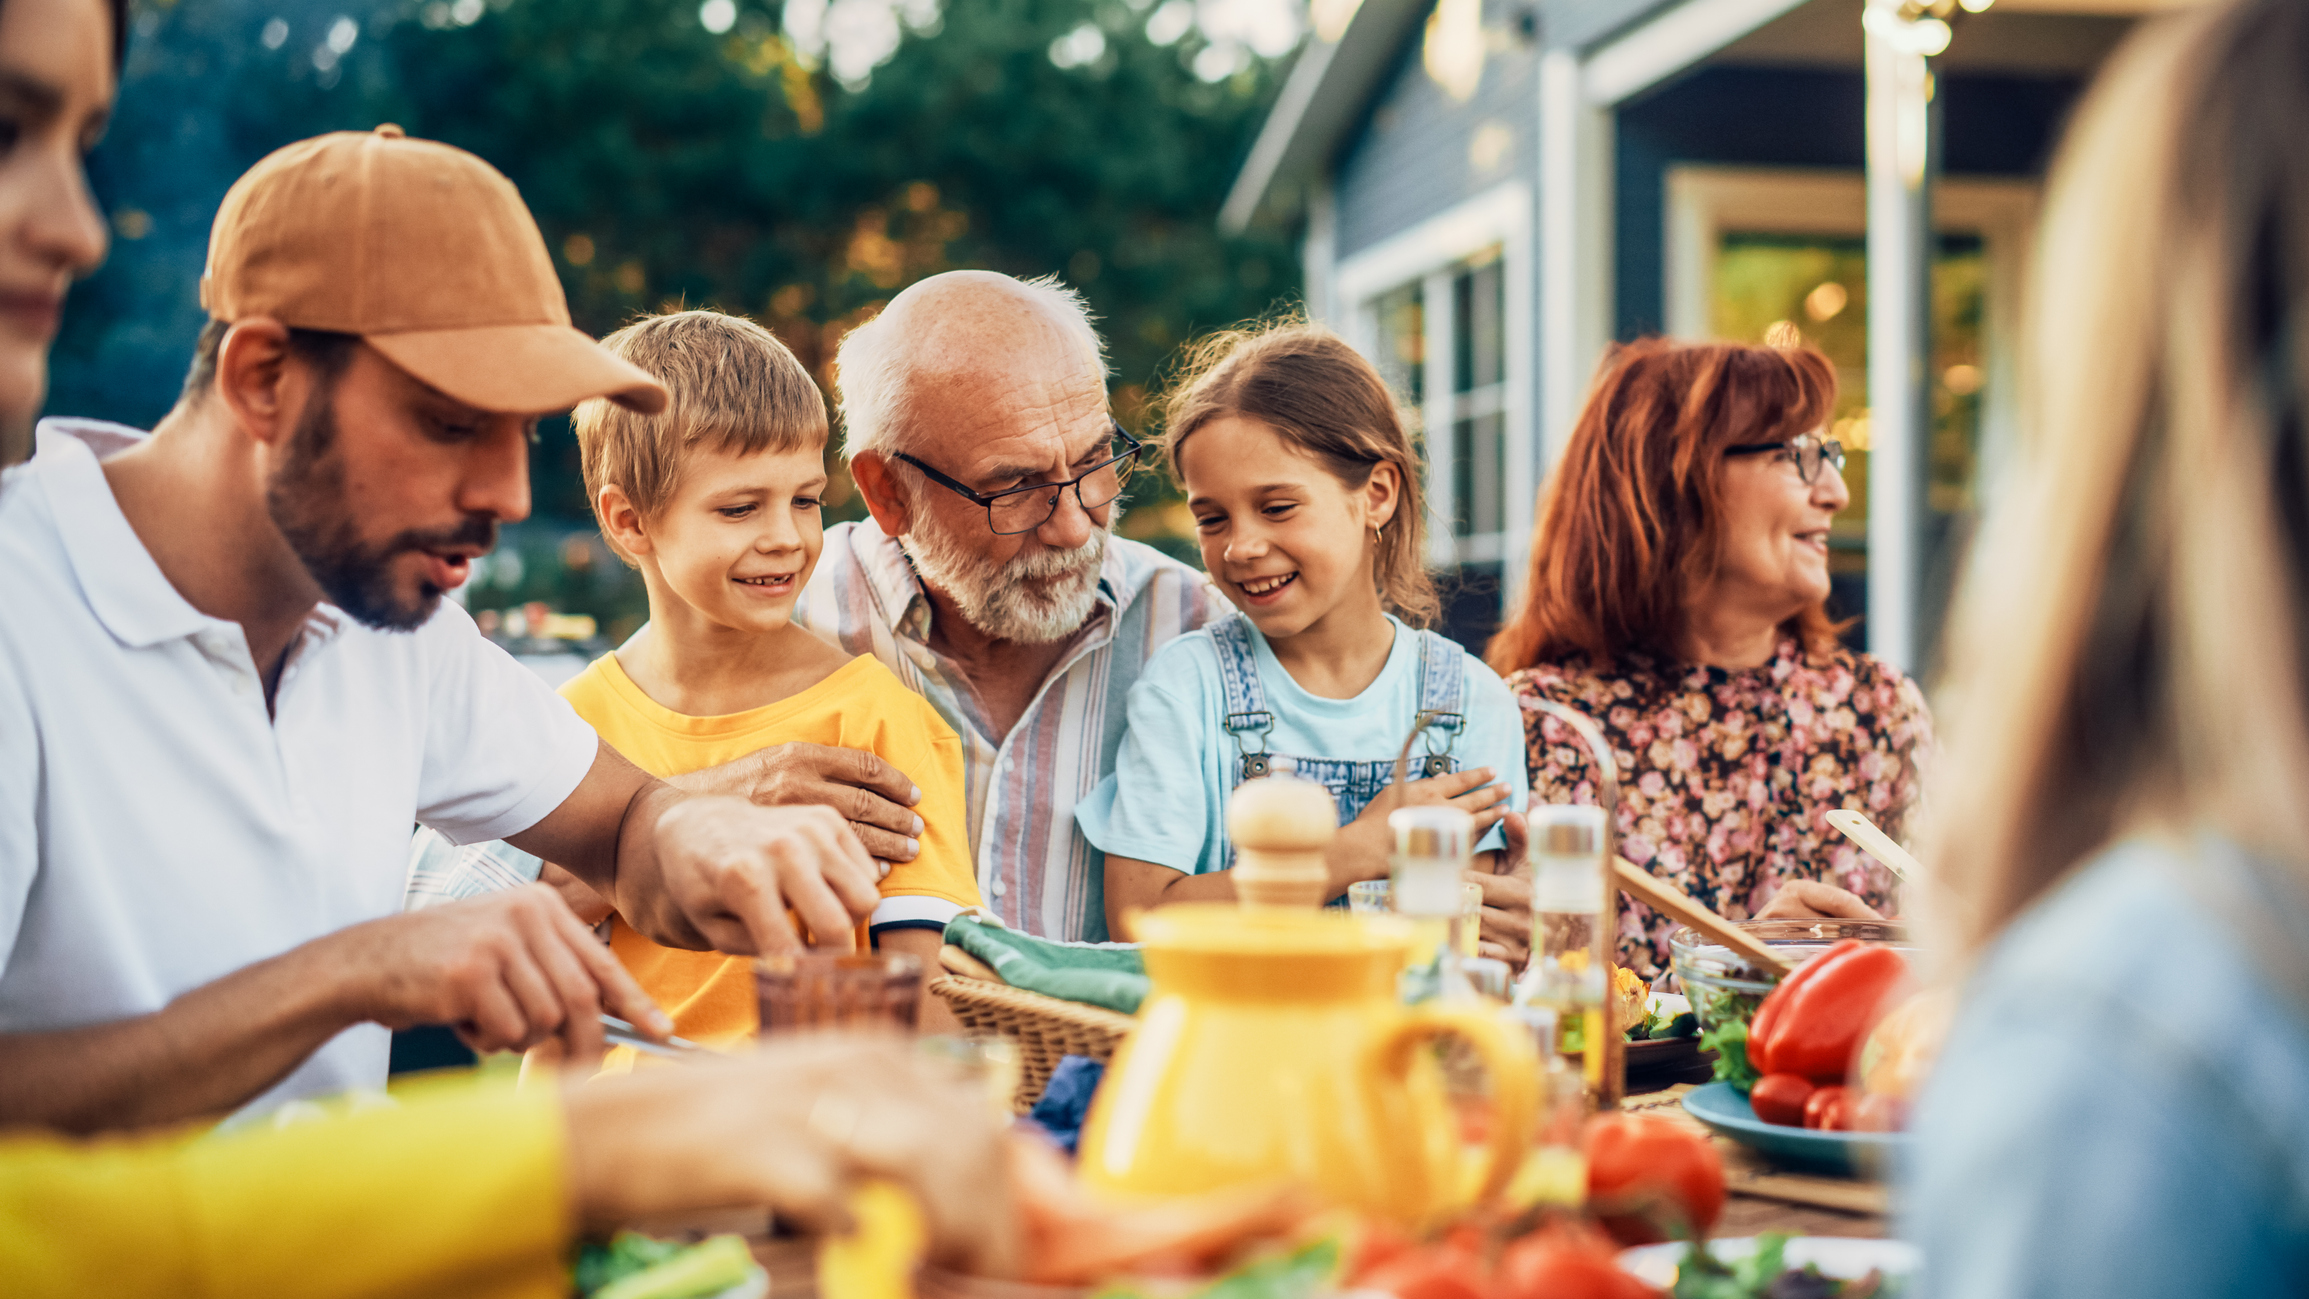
(1353, 783)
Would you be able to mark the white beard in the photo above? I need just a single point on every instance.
(1038, 597)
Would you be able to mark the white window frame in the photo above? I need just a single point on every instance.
(1431, 254)
(1703, 202)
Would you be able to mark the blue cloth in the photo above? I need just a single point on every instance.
(1166, 800)
(1066, 1097)
(2122, 1110)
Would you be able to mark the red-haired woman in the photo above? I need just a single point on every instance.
(1678, 596)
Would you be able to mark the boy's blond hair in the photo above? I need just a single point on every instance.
(733, 387)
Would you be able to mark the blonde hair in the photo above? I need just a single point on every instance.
(1323, 397)
(2129, 653)
(733, 387)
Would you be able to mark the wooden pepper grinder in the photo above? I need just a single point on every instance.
(1280, 826)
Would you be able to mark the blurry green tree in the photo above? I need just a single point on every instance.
(715, 156)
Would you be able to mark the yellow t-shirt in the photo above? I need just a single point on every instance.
(860, 706)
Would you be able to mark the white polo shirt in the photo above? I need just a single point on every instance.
(159, 830)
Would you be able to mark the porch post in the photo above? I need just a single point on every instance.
(1903, 149)
(1575, 246)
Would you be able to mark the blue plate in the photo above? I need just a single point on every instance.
(1725, 1110)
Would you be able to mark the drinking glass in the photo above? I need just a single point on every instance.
(1376, 897)
(814, 990)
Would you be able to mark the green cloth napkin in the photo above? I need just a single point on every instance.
(1099, 974)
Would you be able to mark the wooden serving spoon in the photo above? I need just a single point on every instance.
(1875, 843)
(1676, 904)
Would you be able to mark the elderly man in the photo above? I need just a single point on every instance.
(989, 580)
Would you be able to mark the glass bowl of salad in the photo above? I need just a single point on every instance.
(1725, 987)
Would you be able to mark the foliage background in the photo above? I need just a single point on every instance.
(800, 165)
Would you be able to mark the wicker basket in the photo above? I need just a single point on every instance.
(1045, 1028)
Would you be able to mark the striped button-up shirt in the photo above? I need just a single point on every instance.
(1035, 870)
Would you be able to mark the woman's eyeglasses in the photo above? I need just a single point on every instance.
(1023, 509)
(1805, 452)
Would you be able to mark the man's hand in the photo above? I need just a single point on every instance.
(588, 906)
(508, 970)
(795, 1126)
(707, 871)
(875, 797)
(1813, 900)
(726, 871)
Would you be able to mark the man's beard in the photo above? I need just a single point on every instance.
(1011, 602)
(306, 498)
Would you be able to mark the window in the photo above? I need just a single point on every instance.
(1478, 411)
(1400, 320)
(1443, 309)
(1460, 354)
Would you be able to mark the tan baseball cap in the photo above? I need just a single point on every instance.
(427, 253)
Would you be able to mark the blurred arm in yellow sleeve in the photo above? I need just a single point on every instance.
(477, 1190)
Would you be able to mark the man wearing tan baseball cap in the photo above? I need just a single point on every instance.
(428, 255)
(230, 682)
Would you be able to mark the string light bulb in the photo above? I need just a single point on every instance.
(1453, 51)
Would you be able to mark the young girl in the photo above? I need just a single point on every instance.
(1304, 488)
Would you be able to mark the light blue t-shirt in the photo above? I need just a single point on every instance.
(2120, 1112)
(1165, 802)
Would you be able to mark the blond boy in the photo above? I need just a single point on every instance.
(716, 500)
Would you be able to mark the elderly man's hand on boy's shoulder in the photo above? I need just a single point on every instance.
(876, 798)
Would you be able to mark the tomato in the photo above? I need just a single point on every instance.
(1779, 1098)
(1566, 1262)
(1829, 1110)
(1375, 1244)
(1430, 1272)
(1650, 1177)
(1877, 1112)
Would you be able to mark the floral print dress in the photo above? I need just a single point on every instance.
(1725, 776)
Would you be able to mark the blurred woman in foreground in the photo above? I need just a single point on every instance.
(2121, 1110)
(470, 1190)
(1678, 597)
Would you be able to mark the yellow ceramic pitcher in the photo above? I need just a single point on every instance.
(1272, 1047)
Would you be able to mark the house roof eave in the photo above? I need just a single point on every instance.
(1640, 42)
(1319, 103)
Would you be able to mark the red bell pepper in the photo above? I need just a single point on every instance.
(1814, 1022)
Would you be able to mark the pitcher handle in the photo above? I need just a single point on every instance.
(1509, 1060)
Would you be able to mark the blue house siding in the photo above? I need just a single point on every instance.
(1409, 159)
(1784, 117)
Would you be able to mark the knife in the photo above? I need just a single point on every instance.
(621, 1033)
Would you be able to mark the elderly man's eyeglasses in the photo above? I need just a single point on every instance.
(1023, 509)
(1805, 452)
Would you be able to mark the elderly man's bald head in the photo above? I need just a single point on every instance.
(965, 342)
